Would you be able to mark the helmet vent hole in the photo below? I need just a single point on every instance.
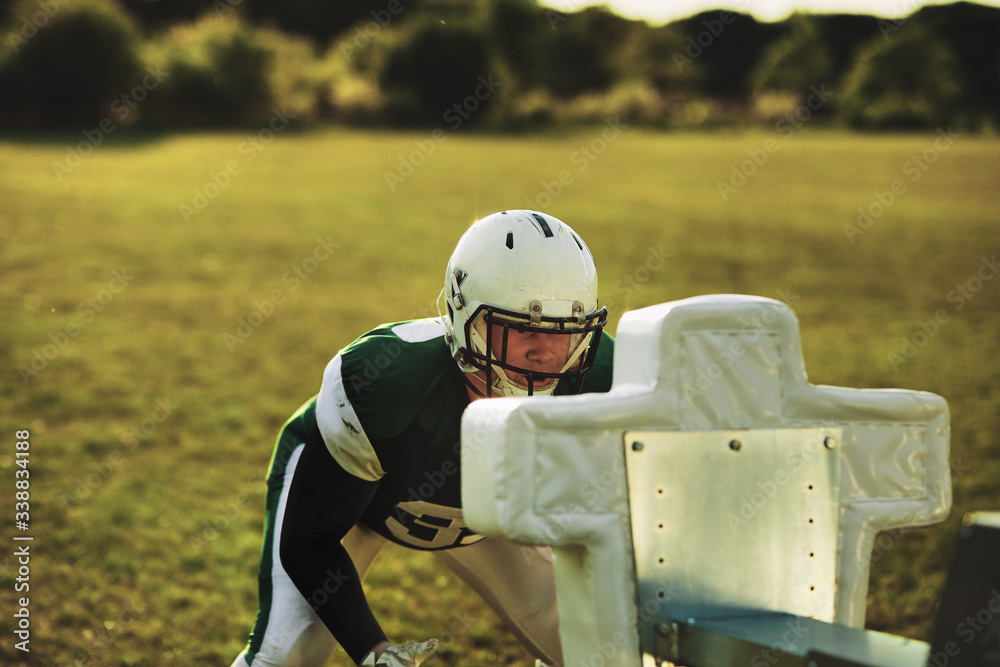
(510, 240)
(578, 242)
(543, 225)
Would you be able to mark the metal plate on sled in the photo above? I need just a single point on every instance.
(739, 518)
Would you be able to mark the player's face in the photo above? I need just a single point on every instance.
(531, 350)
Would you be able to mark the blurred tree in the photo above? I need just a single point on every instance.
(516, 29)
(580, 52)
(218, 74)
(843, 35)
(971, 31)
(909, 80)
(158, 14)
(72, 62)
(794, 63)
(295, 74)
(319, 20)
(656, 56)
(65, 64)
(722, 48)
(6, 10)
(439, 69)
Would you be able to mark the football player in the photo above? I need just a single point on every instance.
(374, 457)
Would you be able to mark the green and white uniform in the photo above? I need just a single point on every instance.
(390, 409)
(389, 414)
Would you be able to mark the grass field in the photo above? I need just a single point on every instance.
(152, 410)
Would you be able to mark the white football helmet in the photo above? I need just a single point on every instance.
(526, 272)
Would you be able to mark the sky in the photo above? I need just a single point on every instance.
(663, 11)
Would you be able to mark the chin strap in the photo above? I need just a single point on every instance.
(475, 390)
(491, 391)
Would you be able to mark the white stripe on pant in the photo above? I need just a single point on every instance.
(517, 581)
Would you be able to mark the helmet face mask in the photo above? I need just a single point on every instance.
(521, 308)
(493, 334)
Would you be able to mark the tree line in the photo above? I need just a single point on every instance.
(487, 63)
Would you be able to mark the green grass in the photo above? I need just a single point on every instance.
(146, 548)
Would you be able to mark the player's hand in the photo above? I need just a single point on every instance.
(409, 654)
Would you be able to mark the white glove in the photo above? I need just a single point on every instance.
(409, 654)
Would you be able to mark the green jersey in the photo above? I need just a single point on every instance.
(389, 410)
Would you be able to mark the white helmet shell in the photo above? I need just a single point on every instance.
(528, 271)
